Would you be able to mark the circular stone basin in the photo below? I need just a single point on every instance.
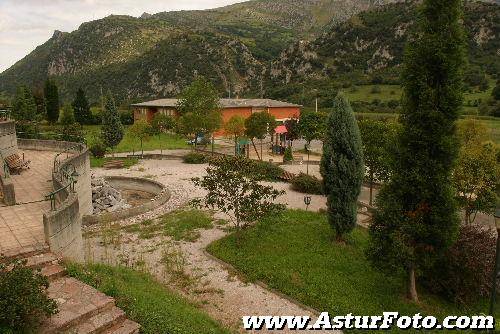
(142, 194)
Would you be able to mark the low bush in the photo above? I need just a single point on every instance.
(307, 184)
(127, 117)
(464, 273)
(98, 149)
(267, 171)
(23, 299)
(195, 158)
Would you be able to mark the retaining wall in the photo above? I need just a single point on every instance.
(63, 226)
(8, 146)
(8, 141)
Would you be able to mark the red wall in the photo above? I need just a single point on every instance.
(227, 113)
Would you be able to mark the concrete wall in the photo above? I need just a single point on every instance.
(8, 146)
(80, 160)
(63, 226)
(8, 140)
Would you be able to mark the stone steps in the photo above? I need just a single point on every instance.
(127, 327)
(82, 309)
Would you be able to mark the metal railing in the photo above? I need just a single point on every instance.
(5, 115)
(50, 136)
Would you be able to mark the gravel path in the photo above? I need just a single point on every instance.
(206, 281)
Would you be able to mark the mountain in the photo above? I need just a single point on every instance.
(156, 55)
(289, 49)
(369, 47)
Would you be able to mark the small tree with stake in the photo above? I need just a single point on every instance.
(141, 130)
(342, 167)
(236, 128)
(311, 127)
(232, 188)
(378, 137)
(258, 125)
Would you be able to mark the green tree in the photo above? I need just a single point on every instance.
(112, 129)
(24, 105)
(496, 91)
(236, 128)
(311, 127)
(476, 174)
(162, 123)
(416, 219)
(378, 139)
(200, 104)
(476, 178)
(82, 108)
(342, 167)
(141, 130)
(67, 116)
(233, 189)
(257, 126)
(52, 104)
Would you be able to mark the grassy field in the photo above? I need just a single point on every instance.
(146, 301)
(99, 162)
(180, 225)
(130, 144)
(295, 255)
(384, 93)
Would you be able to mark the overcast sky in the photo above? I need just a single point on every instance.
(25, 24)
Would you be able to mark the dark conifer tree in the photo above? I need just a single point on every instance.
(417, 219)
(52, 101)
(81, 108)
(342, 167)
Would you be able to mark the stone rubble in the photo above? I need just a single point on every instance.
(105, 198)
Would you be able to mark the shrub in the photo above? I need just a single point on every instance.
(307, 184)
(464, 273)
(23, 299)
(267, 171)
(127, 117)
(98, 149)
(288, 156)
(195, 158)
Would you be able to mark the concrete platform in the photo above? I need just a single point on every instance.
(21, 226)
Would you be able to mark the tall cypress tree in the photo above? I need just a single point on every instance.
(342, 167)
(112, 128)
(51, 101)
(417, 219)
(81, 108)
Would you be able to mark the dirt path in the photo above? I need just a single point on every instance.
(185, 266)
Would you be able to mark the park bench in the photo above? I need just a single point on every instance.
(114, 164)
(16, 164)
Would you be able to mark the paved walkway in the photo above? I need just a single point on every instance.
(21, 226)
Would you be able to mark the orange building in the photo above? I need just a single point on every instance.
(282, 111)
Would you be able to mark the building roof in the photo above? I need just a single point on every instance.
(225, 103)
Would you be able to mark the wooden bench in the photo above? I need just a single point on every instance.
(16, 164)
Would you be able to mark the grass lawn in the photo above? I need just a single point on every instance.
(146, 301)
(130, 144)
(393, 92)
(99, 162)
(180, 225)
(364, 93)
(295, 255)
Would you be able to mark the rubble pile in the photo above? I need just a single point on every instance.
(105, 198)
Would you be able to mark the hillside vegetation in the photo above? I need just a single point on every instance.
(294, 50)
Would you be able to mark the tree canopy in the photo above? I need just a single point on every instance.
(112, 129)
(81, 108)
(52, 103)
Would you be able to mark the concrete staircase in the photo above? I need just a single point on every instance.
(82, 309)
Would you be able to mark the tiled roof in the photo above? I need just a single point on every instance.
(225, 103)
